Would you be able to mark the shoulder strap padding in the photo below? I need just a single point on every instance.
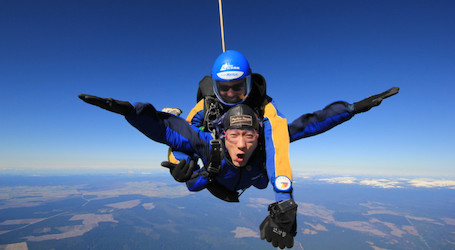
(258, 91)
(205, 88)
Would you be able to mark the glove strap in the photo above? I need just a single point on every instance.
(282, 207)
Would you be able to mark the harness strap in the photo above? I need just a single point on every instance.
(212, 110)
(216, 157)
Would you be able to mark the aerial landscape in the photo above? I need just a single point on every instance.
(143, 212)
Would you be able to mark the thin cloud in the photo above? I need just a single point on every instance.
(392, 182)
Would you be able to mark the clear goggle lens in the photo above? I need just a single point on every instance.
(234, 135)
(232, 92)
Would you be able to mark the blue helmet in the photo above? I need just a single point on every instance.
(231, 75)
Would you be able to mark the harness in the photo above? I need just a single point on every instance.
(213, 109)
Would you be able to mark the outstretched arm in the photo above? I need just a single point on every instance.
(320, 121)
(167, 129)
(158, 126)
(332, 115)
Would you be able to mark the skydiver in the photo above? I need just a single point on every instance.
(241, 162)
(232, 83)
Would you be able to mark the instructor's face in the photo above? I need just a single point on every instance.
(232, 91)
(241, 143)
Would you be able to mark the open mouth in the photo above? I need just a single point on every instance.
(240, 157)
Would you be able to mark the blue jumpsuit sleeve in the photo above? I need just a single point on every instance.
(276, 139)
(320, 121)
(177, 156)
(198, 119)
(174, 132)
(170, 130)
(305, 126)
(198, 183)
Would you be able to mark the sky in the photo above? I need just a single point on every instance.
(311, 53)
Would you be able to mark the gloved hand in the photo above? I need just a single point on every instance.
(373, 101)
(116, 106)
(182, 171)
(281, 225)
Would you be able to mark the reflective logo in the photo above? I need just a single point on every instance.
(283, 183)
(279, 232)
(230, 75)
(228, 66)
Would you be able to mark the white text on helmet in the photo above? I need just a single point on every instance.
(230, 75)
(228, 66)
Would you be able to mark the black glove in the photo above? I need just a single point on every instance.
(281, 225)
(116, 106)
(373, 101)
(182, 171)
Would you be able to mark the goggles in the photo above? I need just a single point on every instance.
(232, 92)
(236, 87)
(234, 135)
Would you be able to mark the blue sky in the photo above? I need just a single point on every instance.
(310, 52)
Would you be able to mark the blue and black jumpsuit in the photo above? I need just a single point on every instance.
(180, 136)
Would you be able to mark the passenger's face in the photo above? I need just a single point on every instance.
(240, 144)
(232, 91)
